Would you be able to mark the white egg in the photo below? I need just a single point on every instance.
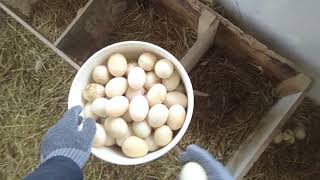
(151, 79)
(172, 82)
(176, 97)
(87, 112)
(191, 171)
(116, 87)
(106, 124)
(151, 144)
(117, 127)
(278, 138)
(93, 91)
(131, 66)
(100, 137)
(138, 108)
(163, 135)
(158, 115)
(117, 106)
(99, 107)
(134, 147)
(300, 133)
(130, 93)
(117, 64)
(156, 94)
(163, 68)
(177, 115)
(147, 61)
(181, 88)
(100, 74)
(119, 141)
(136, 78)
(127, 117)
(110, 140)
(141, 129)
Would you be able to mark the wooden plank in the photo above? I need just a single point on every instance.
(293, 85)
(206, 35)
(88, 32)
(39, 36)
(249, 151)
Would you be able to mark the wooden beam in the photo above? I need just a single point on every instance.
(39, 36)
(293, 85)
(251, 149)
(207, 28)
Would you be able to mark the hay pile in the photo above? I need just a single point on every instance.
(298, 161)
(51, 17)
(34, 88)
(145, 22)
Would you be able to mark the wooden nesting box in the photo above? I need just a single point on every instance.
(90, 29)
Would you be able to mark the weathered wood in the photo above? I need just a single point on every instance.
(235, 42)
(206, 35)
(293, 85)
(39, 36)
(250, 150)
(88, 32)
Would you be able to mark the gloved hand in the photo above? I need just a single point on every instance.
(214, 169)
(65, 138)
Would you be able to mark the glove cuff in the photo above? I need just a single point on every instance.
(76, 155)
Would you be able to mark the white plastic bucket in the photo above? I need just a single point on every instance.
(131, 50)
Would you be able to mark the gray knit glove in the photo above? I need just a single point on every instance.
(67, 139)
(214, 169)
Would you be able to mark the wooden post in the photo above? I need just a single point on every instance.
(207, 28)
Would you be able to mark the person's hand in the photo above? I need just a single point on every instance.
(66, 138)
(214, 169)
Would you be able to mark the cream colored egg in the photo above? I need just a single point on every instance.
(141, 129)
(117, 106)
(151, 79)
(287, 134)
(127, 117)
(163, 68)
(100, 137)
(151, 144)
(136, 78)
(93, 91)
(156, 94)
(147, 61)
(134, 147)
(300, 132)
(130, 93)
(278, 138)
(117, 64)
(106, 124)
(116, 87)
(100, 74)
(176, 97)
(158, 115)
(163, 135)
(119, 141)
(191, 171)
(87, 112)
(110, 140)
(131, 66)
(99, 107)
(117, 127)
(181, 88)
(177, 115)
(172, 82)
(138, 108)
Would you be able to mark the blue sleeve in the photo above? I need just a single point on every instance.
(58, 167)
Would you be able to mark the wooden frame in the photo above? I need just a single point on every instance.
(212, 28)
